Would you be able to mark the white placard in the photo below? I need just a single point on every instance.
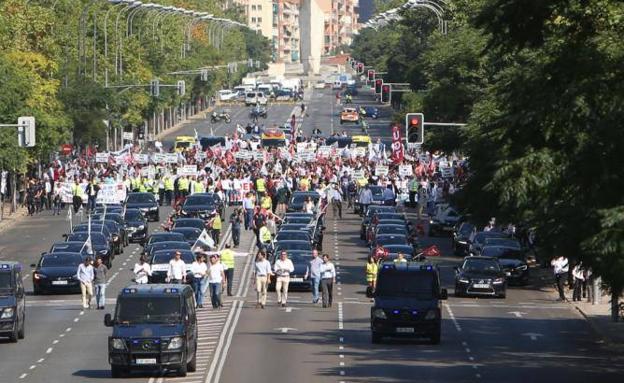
(127, 136)
(102, 157)
(405, 170)
(357, 174)
(200, 156)
(381, 170)
(359, 152)
(324, 151)
(448, 172)
(302, 146)
(187, 170)
(258, 155)
(111, 193)
(243, 155)
(159, 158)
(140, 158)
(148, 171)
(171, 158)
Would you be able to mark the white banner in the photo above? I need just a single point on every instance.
(258, 155)
(159, 158)
(381, 170)
(448, 172)
(140, 158)
(200, 156)
(111, 193)
(101, 157)
(359, 152)
(172, 158)
(243, 155)
(324, 151)
(357, 174)
(187, 170)
(405, 170)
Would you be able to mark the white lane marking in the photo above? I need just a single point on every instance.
(23, 376)
(76, 319)
(68, 329)
(32, 367)
(25, 277)
(340, 317)
(41, 360)
(61, 335)
(49, 350)
(82, 313)
(55, 341)
(452, 316)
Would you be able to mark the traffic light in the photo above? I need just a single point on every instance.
(181, 88)
(414, 125)
(385, 93)
(26, 132)
(378, 84)
(155, 87)
(360, 68)
(371, 74)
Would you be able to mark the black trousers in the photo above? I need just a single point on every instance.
(578, 289)
(236, 236)
(229, 274)
(327, 290)
(560, 279)
(77, 202)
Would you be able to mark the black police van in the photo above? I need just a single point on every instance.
(154, 328)
(407, 302)
(12, 301)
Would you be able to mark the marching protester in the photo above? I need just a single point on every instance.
(282, 268)
(216, 277)
(142, 271)
(315, 275)
(328, 279)
(262, 273)
(199, 269)
(100, 272)
(227, 258)
(176, 272)
(560, 268)
(85, 276)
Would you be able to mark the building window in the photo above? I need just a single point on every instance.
(253, 19)
(253, 7)
(259, 7)
(259, 19)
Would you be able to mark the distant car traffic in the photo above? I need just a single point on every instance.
(349, 115)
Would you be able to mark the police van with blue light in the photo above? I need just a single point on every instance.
(12, 301)
(407, 302)
(154, 329)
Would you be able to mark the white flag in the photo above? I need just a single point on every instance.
(205, 239)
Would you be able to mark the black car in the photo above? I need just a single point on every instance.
(443, 224)
(100, 245)
(293, 235)
(200, 205)
(390, 228)
(461, 238)
(120, 220)
(162, 237)
(137, 227)
(389, 239)
(146, 203)
(298, 219)
(340, 141)
(407, 302)
(190, 234)
(71, 247)
(512, 260)
(166, 245)
(56, 272)
(480, 276)
(315, 232)
(160, 264)
(95, 227)
(292, 245)
(369, 213)
(210, 141)
(154, 328)
(299, 197)
(12, 301)
(109, 208)
(197, 223)
(478, 239)
(117, 234)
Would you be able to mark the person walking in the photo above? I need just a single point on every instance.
(282, 268)
(235, 222)
(262, 273)
(560, 267)
(389, 196)
(199, 269)
(77, 196)
(177, 269)
(85, 276)
(328, 278)
(248, 206)
(372, 267)
(216, 277)
(315, 275)
(579, 279)
(365, 199)
(142, 271)
(264, 237)
(100, 272)
(215, 226)
(335, 198)
(227, 259)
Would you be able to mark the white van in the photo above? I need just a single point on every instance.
(255, 97)
(266, 89)
(227, 95)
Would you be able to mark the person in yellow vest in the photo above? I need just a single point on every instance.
(372, 267)
(142, 187)
(264, 237)
(198, 186)
(227, 258)
(266, 202)
(183, 186)
(148, 184)
(168, 189)
(362, 181)
(77, 193)
(215, 226)
(260, 187)
(304, 184)
(135, 184)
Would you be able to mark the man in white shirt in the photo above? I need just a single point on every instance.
(177, 269)
(199, 269)
(560, 267)
(142, 271)
(216, 278)
(262, 273)
(85, 276)
(282, 268)
(328, 278)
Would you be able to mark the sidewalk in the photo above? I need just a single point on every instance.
(599, 318)
(8, 220)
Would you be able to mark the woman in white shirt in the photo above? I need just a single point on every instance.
(199, 269)
(216, 278)
(142, 271)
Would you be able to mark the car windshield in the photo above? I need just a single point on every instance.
(293, 246)
(199, 200)
(166, 237)
(502, 252)
(391, 229)
(296, 235)
(300, 198)
(304, 220)
(141, 198)
(414, 284)
(511, 243)
(166, 256)
(5, 280)
(197, 223)
(488, 265)
(75, 247)
(134, 310)
(60, 261)
(189, 234)
(177, 245)
(133, 215)
(391, 240)
(480, 237)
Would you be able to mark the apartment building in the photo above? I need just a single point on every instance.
(286, 31)
(259, 15)
(340, 24)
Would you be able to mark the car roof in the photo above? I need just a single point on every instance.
(479, 257)
(185, 229)
(154, 289)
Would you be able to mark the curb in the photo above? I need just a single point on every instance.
(602, 337)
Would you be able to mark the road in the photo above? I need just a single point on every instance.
(526, 337)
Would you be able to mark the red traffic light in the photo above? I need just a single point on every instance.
(414, 121)
(386, 88)
(378, 82)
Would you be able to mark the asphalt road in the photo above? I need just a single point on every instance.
(527, 337)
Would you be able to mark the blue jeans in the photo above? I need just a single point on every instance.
(315, 281)
(198, 287)
(248, 218)
(100, 294)
(215, 294)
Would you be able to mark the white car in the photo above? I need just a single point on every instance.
(227, 95)
(320, 84)
(255, 97)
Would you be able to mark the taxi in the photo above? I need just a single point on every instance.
(12, 301)
(349, 115)
(275, 138)
(361, 141)
(183, 143)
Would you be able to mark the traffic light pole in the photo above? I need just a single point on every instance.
(444, 123)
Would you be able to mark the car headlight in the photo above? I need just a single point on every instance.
(463, 280)
(7, 313)
(141, 227)
(380, 314)
(522, 267)
(118, 344)
(431, 222)
(431, 314)
(39, 276)
(153, 208)
(499, 281)
(175, 343)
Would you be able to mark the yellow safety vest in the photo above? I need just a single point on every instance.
(227, 258)
(77, 190)
(266, 203)
(362, 182)
(265, 235)
(260, 185)
(183, 184)
(168, 184)
(304, 184)
(198, 187)
(371, 271)
(216, 223)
